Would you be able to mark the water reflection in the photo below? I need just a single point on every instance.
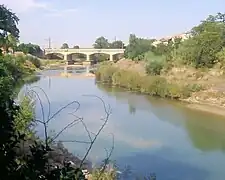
(132, 109)
(151, 135)
(162, 167)
(206, 131)
(206, 134)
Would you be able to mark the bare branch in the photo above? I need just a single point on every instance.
(43, 117)
(76, 141)
(64, 107)
(76, 121)
(108, 155)
(99, 131)
(46, 96)
(91, 135)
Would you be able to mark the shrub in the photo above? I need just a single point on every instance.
(194, 87)
(154, 67)
(105, 73)
(152, 85)
(155, 63)
(221, 57)
(35, 61)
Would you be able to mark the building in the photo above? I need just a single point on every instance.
(165, 40)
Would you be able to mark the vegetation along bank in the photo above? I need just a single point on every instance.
(188, 67)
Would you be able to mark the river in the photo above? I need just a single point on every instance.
(150, 135)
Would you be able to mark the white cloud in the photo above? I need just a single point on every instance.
(21, 6)
(24, 6)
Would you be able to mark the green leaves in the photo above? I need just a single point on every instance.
(208, 39)
(8, 22)
(65, 46)
(29, 49)
(137, 47)
(101, 43)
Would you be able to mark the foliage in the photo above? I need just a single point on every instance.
(220, 56)
(137, 47)
(29, 48)
(200, 49)
(208, 40)
(108, 175)
(101, 43)
(116, 45)
(151, 85)
(65, 46)
(9, 33)
(155, 63)
(76, 47)
(24, 117)
(11, 70)
(105, 73)
(8, 22)
(8, 42)
(35, 61)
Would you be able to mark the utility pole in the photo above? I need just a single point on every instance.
(49, 42)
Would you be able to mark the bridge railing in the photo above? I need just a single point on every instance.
(86, 50)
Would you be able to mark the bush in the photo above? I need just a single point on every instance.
(151, 85)
(155, 63)
(194, 87)
(221, 57)
(105, 73)
(35, 61)
(154, 67)
(24, 117)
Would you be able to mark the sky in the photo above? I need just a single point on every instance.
(80, 22)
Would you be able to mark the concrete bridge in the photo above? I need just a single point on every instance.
(66, 53)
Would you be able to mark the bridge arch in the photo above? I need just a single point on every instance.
(59, 56)
(118, 56)
(77, 56)
(99, 57)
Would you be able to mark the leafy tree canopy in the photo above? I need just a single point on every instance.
(65, 46)
(8, 22)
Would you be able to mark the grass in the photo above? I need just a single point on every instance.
(148, 84)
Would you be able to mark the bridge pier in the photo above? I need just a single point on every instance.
(110, 57)
(88, 57)
(65, 57)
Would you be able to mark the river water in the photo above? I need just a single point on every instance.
(150, 135)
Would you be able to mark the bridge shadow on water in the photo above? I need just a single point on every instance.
(144, 164)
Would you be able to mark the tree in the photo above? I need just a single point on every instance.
(7, 42)
(101, 43)
(137, 47)
(29, 48)
(8, 22)
(76, 47)
(12, 41)
(65, 46)
(117, 45)
(208, 38)
(8, 28)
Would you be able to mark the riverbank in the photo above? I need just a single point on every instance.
(202, 89)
